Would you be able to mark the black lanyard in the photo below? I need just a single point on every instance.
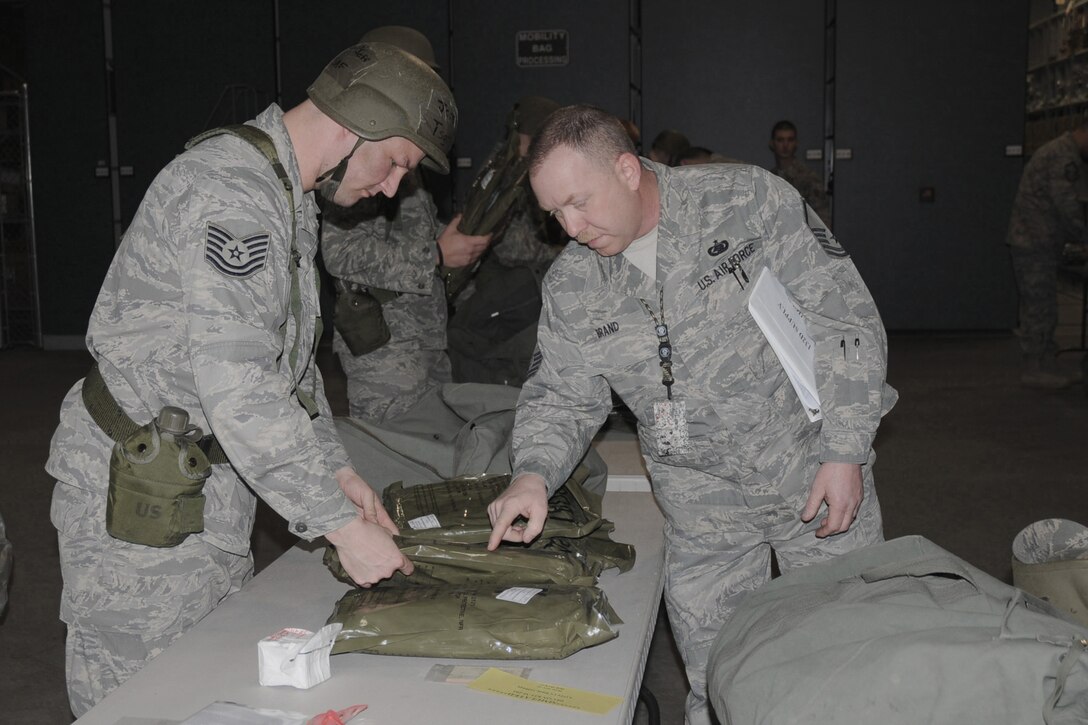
(664, 347)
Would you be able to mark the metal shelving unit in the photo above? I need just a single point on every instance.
(1057, 69)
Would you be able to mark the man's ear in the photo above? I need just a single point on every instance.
(629, 169)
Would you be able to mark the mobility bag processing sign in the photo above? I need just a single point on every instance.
(541, 48)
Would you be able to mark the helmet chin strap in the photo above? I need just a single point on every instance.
(329, 183)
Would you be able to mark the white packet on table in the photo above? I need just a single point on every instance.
(296, 657)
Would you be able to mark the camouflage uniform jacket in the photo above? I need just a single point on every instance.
(195, 312)
(523, 241)
(719, 225)
(390, 244)
(809, 185)
(1048, 210)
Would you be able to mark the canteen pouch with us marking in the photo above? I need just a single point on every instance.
(157, 477)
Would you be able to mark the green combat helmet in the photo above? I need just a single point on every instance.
(379, 91)
(407, 39)
(530, 113)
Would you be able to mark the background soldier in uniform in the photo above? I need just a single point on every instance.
(1047, 213)
(654, 306)
(524, 241)
(211, 306)
(800, 176)
(392, 250)
(492, 332)
(667, 147)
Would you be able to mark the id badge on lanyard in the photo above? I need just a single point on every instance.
(671, 427)
(670, 416)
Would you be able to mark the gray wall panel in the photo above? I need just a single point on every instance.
(313, 32)
(68, 138)
(929, 94)
(176, 62)
(724, 71)
(487, 82)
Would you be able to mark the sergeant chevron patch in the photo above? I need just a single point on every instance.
(534, 363)
(233, 257)
(829, 243)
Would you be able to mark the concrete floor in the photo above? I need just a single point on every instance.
(967, 458)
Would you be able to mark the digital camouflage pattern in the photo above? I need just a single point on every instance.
(195, 312)
(390, 245)
(753, 453)
(1036, 271)
(809, 185)
(384, 243)
(1051, 540)
(1050, 560)
(526, 240)
(124, 603)
(492, 333)
(1048, 211)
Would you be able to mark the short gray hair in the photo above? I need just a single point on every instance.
(592, 132)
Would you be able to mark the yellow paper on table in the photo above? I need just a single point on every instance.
(498, 682)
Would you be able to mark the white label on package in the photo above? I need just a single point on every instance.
(518, 595)
(430, 521)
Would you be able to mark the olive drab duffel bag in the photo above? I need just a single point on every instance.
(898, 633)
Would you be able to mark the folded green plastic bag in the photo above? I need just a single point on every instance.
(596, 550)
(472, 565)
(499, 623)
(453, 553)
(456, 510)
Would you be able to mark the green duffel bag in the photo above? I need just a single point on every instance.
(898, 633)
(495, 623)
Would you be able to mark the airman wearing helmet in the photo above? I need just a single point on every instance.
(390, 316)
(492, 332)
(210, 311)
(380, 92)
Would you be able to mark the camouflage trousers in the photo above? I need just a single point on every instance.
(1036, 271)
(717, 547)
(125, 603)
(385, 383)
